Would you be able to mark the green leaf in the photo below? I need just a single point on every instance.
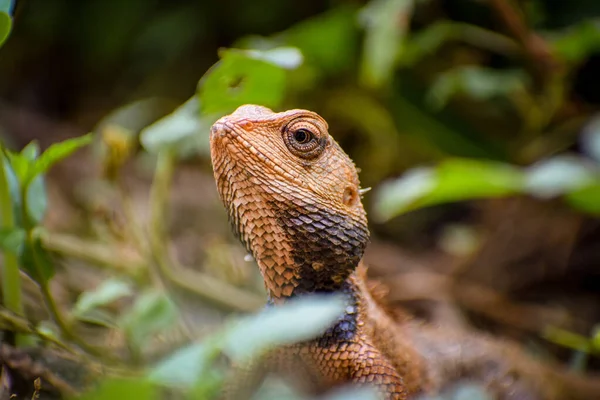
(31, 151)
(20, 164)
(184, 131)
(596, 339)
(186, 367)
(452, 180)
(152, 312)
(57, 152)
(5, 26)
(284, 57)
(327, 41)
(427, 41)
(239, 78)
(36, 201)
(476, 82)
(297, 320)
(106, 293)
(354, 393)
(386, 23)
(12, 240)
(558, 175)
(14, 187)
(36, 261)
(120, 388)
(591, 138)
(578, 42)
(567, 339)
(586, 199)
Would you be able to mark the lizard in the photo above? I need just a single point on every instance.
(293, 197)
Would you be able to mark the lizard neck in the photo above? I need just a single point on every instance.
(303, 247)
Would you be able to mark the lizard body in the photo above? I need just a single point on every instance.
(293, 198)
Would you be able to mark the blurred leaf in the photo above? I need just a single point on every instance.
(567, 339)
(106, 293)
(578, 42)
(98, 317)
(596, 339)
(385, 23)
(36, 261)
(20, 164)
(57, 152)
(273, 388)
(152, 312)
(31, 151)
(239, 78)
(452, 180)
(296, 320)
(36, 200)
(327, 41)
(121, 388)
(284, 57)
(14, 187)
(427, 41)
(558, 175)
(12, 240)
(586, 199)
(5, 26)
(184, 131)
(7, 6)
(186, 367)
(354, 393)
(591, 138)
(398, 196)
(476, 82)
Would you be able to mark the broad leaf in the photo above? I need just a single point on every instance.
(239, 78)
(5, 26)
(578, 42)
(152, 312)
(37, 200)
(586, 199)
(184, 131)
(327, 41)
(452, 180)
(36, 261)
(559, 175)
(57, 152)
(284, 57)
(120, 388)
(385, 23)
(106, 293)
(591, 138)
(297, 320)
(476, 82)
(185, 367)
(12, 240)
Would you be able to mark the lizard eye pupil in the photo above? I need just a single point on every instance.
(302, 136)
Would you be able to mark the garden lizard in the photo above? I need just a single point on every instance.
(294, 199)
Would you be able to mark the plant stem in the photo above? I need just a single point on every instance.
(11, 280)
(209, 288)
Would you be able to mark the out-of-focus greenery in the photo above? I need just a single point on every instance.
(403, 83)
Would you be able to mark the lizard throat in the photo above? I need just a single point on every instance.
(300, 247)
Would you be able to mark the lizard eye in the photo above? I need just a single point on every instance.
(302, 136)
(304, 140)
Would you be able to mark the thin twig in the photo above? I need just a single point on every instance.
(217, 292)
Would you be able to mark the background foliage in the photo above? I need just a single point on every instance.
(444, 105)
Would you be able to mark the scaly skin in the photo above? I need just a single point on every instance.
(293, 198)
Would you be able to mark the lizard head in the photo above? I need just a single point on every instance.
(292, 195)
